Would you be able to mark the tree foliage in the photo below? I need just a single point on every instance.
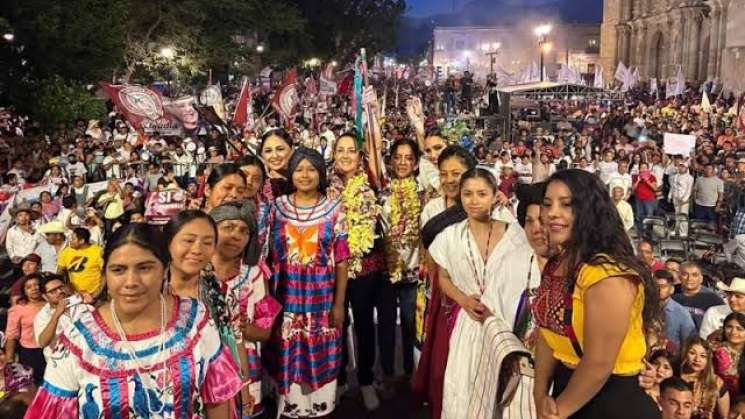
(60, 102)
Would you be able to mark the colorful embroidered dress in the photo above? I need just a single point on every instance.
(242, 296)
(306, 244)
(91, 373)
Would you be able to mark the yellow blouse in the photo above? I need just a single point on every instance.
(633, 348)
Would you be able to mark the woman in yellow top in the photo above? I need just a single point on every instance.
(594, 299)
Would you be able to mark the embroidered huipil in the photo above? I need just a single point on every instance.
(91, 374)
(305, 243)
(243, 296)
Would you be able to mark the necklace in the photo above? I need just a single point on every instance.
(293, 201)
(480, 281)
(133, 354)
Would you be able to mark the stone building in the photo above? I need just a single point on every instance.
(704, 37)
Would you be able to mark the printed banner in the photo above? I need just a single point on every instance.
(679, 144)
(161, 206)
(135, 102)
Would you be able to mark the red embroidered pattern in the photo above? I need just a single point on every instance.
(553, 302)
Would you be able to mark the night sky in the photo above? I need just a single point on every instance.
(421, 8)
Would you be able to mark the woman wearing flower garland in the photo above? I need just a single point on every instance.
(142, 353)
(235, 294)
(729, 364)
(366, 263)
(402, 208)
(308, 258)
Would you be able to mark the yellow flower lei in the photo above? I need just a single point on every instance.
(404, 224)
(362, 210)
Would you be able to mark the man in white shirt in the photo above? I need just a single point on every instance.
(524, 170)
(74, 167)
(58, 314)
(715, 315)
(49, 249)
(681, 186)
(621, 178)
(21, 239)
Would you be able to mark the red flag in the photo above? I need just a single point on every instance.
(285, 98)
(135, 102)
(345, 85)
(240, 117)
(311, 87)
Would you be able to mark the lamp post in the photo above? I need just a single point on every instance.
(491, 50)
(542, 32)
(168, 53)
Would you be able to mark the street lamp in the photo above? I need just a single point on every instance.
(259, 48)
(542, 31)
(9, 37)
(167, 53)
(491, 50)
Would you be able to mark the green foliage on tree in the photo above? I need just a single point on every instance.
(60, 102)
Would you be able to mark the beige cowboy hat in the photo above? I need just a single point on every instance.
(737, 285)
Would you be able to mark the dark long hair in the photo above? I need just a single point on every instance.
(598, 236)
(277, 132)
(222, 171)
(178, 221)
(740, 319)
(479, 173)
(251, 160)
(142, 235)
(139, 234)
(454, 214)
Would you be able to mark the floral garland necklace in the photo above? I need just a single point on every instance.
(362, 210)
(406, 208)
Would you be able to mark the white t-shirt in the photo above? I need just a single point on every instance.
(44, 316)
(524, 172)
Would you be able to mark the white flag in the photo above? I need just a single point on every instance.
(535, 74)
(621, 72)
(680, 81)
(705, 104)
(653, 86)
(599, 82)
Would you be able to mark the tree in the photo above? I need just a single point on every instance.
(339, 28)
(78, 40)
(59, 102)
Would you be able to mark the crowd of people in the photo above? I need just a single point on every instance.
(244, 273)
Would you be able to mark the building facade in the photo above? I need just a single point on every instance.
(472, 48)
(706, 38)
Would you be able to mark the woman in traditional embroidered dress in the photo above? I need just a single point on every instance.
(366, 263)
(453, 162)
(309, 278)
(729, 364)
(594, 299)
(469, 256)
(402, 208)
(235, 293)
(225, 183)
(710, 396)
(141, 353)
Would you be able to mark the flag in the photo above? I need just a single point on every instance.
(212, 96)
(740, 123)
(135, 102)
(621, 72)
(243, 106)
(681, 81)
(505, 78)
(360, 66)
(653, 89)
(311, 87)
(346, 84)
(535, 73)
(208, 114)
(599, 82)
(285, 98)
(705, 104)
(326, 80)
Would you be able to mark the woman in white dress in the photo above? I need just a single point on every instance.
(469, 256)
